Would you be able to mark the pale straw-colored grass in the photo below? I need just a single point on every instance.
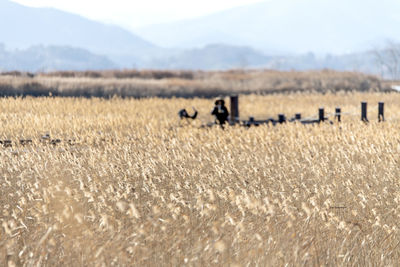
(140, 188)
(192, 84)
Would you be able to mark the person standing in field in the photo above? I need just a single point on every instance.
(220, 112)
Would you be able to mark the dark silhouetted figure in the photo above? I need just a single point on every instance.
(183, 114)
(220, 112)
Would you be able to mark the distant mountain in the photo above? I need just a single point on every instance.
(287, 26)
(41, 58)
(276, 34)
(214, 57)
(360, 62)
(23, 27)
(223, 57)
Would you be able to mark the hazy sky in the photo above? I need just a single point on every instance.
(136, 13)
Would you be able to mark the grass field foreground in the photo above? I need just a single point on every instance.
(139, 187)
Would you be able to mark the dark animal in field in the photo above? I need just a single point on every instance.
(45, 137)
(25, 141)
(71, 142)
(6, 143)
(220, 112)
(55, 142)
(183, 114)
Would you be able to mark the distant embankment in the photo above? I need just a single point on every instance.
(152, 83)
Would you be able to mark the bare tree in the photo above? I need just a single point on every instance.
(388, 60)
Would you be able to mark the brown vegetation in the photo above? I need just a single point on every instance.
(140, 188)
(133, 83)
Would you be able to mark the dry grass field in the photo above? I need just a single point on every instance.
(139, 188)
(152, 83)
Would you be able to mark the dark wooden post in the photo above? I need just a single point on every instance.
(364, 112)
(281, 118)
(338, 112)
(234, 117)
(381, 115)
(297, 116)
(321, 115)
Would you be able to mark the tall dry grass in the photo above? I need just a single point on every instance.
(140, 188)
(132, 83)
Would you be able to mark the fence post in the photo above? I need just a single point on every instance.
(338, 112)
(281, 118)
(297, 116)
(234, 117)
(381, 116)
(321, 115)
(364, 112)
